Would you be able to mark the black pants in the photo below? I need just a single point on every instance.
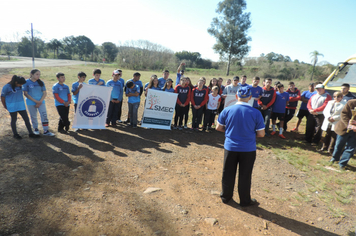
(119, 111)
(63, 112)
(197, 114)
(287, 117)
(24, 117)
(209, 118)
(112, 113)
(180, 113)
(245, 160)
(313, 130)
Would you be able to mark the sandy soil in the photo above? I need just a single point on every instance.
(92, 182)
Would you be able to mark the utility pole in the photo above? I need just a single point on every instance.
(33, 48)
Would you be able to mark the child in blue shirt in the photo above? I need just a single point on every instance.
(168, 86)
(115, 98)
(12, 100)
(136, 80)
(96, 80)
(279, 109)
(133, 94)
(62, 100)
(35, 93)
(76, 86)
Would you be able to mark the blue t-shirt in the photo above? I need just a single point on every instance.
(171, 90)
(241, 122)
(146, 84)
(243, 85)
(179, 75)
(63, 91)
(279, 105)
(13, 98)
(116, 92)
(138, 82)
(135, 89)
(255, 92)
(94, 82)
(34, 90)
(161, 82)
(75, 86)
(306, 94)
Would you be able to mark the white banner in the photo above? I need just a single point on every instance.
(232, 100)
(92, 107)
(159, 109)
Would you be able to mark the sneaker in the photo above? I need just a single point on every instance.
(67, 127)
(185, 127)
(294, 130)
(36, 132)
(174, 127)
(282, 136)
(119, 121)
(134, 126)
(47, 133)
(196, 129)
(34, 136)
(180, 128)
(273, 133)
(17, 136)
(127, 121)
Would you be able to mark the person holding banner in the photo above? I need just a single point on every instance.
(182, 106)
(115, 99)
(62, 101)
(241, 124)
(76, 87)
(168, 86)
(199, 98)
(97, 80)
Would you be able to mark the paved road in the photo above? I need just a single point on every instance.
(39, 62)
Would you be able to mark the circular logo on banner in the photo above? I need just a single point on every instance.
(92, 106)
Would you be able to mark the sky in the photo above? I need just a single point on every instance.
(291, 28)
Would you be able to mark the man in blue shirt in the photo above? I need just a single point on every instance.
(240, 146)
(180, 73)
(115, 99)
(256, 91)
(303, 110)
(162, 80)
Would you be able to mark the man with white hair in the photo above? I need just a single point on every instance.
(316, 106)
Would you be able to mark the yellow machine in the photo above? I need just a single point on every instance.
(344, 73)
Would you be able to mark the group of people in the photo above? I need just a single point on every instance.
(241, 123)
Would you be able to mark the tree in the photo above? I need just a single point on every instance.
(55, 44)
(314, 55)
(84, 46)
(8, 49)
(68, 45)
(230, 30)
(109, 51)
(25, 47)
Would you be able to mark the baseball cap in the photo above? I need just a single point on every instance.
(116, 72)
(236, 78)
(320, 86)
(244, 92)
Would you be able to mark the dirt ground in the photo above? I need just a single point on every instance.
(92, 182)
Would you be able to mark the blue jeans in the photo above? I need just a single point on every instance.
(349, 140)
(133, 108)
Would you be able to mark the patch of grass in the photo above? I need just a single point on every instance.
(337, 212)
(266, 190)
